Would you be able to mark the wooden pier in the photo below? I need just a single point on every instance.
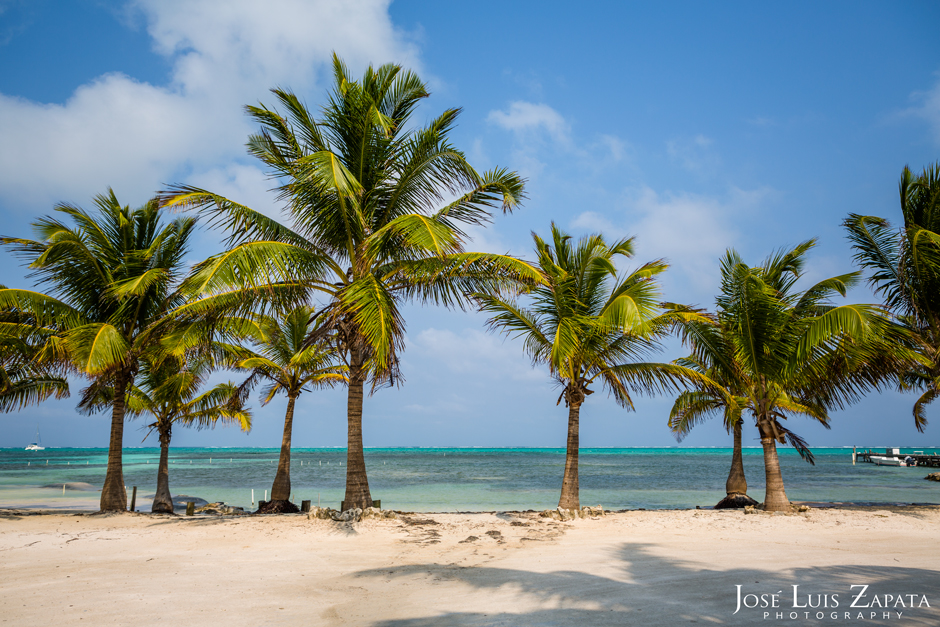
(922, 458)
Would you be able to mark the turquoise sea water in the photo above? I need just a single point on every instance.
(452, 479)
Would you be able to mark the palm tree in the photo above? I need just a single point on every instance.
(777, 351)
(284, 358)
(115, 291)
(586, 324)
(905, 270)
(370, 224)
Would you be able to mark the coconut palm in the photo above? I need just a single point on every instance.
(777, 351)
(904, 268)
(115, 279)
(282, 356)
(376, 206)
(588, 324)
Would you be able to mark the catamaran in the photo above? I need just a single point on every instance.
(37, 445)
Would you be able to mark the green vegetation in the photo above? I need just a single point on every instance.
(778, 351)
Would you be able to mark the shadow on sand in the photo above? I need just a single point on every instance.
(651, 590)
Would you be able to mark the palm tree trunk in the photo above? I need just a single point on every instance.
(280, 491)
(775, 498)
(737, 483)
(113, 492)
(569, 485)
(163, 500)
(357, 482)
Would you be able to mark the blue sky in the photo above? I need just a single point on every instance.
(692, 126)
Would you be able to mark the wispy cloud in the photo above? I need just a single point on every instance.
(928, 107)
(695, 154)
(524, 117)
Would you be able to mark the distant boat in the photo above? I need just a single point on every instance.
(37, 445)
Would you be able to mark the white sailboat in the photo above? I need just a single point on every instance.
(37, 445)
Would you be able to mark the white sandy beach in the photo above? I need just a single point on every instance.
(427, 570)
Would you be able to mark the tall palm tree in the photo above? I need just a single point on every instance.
(370, 224)
(283, 357)
(587, 324)
(905, 270)
(116, 289)
(777, 351)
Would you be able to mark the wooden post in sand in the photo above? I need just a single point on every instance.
(305, 506)
(134, 499)
(190, 508)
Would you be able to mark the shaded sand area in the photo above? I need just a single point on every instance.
(428, 570)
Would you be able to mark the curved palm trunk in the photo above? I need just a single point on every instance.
(569, 486)
(775, 498)
(163, 500)
(737, 483)
(113, 492)
(280, 491)
(357, 482)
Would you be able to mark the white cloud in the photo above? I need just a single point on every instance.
(476, 353)
(694, 154)
(928, 108)
(135, 136)
(525, 117)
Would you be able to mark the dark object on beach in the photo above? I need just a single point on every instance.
(735, 501)
(304, 506)
(190, 508)
(277, 507)
(934, 476)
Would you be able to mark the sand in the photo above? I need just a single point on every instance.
(428, 570)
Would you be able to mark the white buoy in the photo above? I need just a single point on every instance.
(252, 497)
(210, 460)
(63, 489)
